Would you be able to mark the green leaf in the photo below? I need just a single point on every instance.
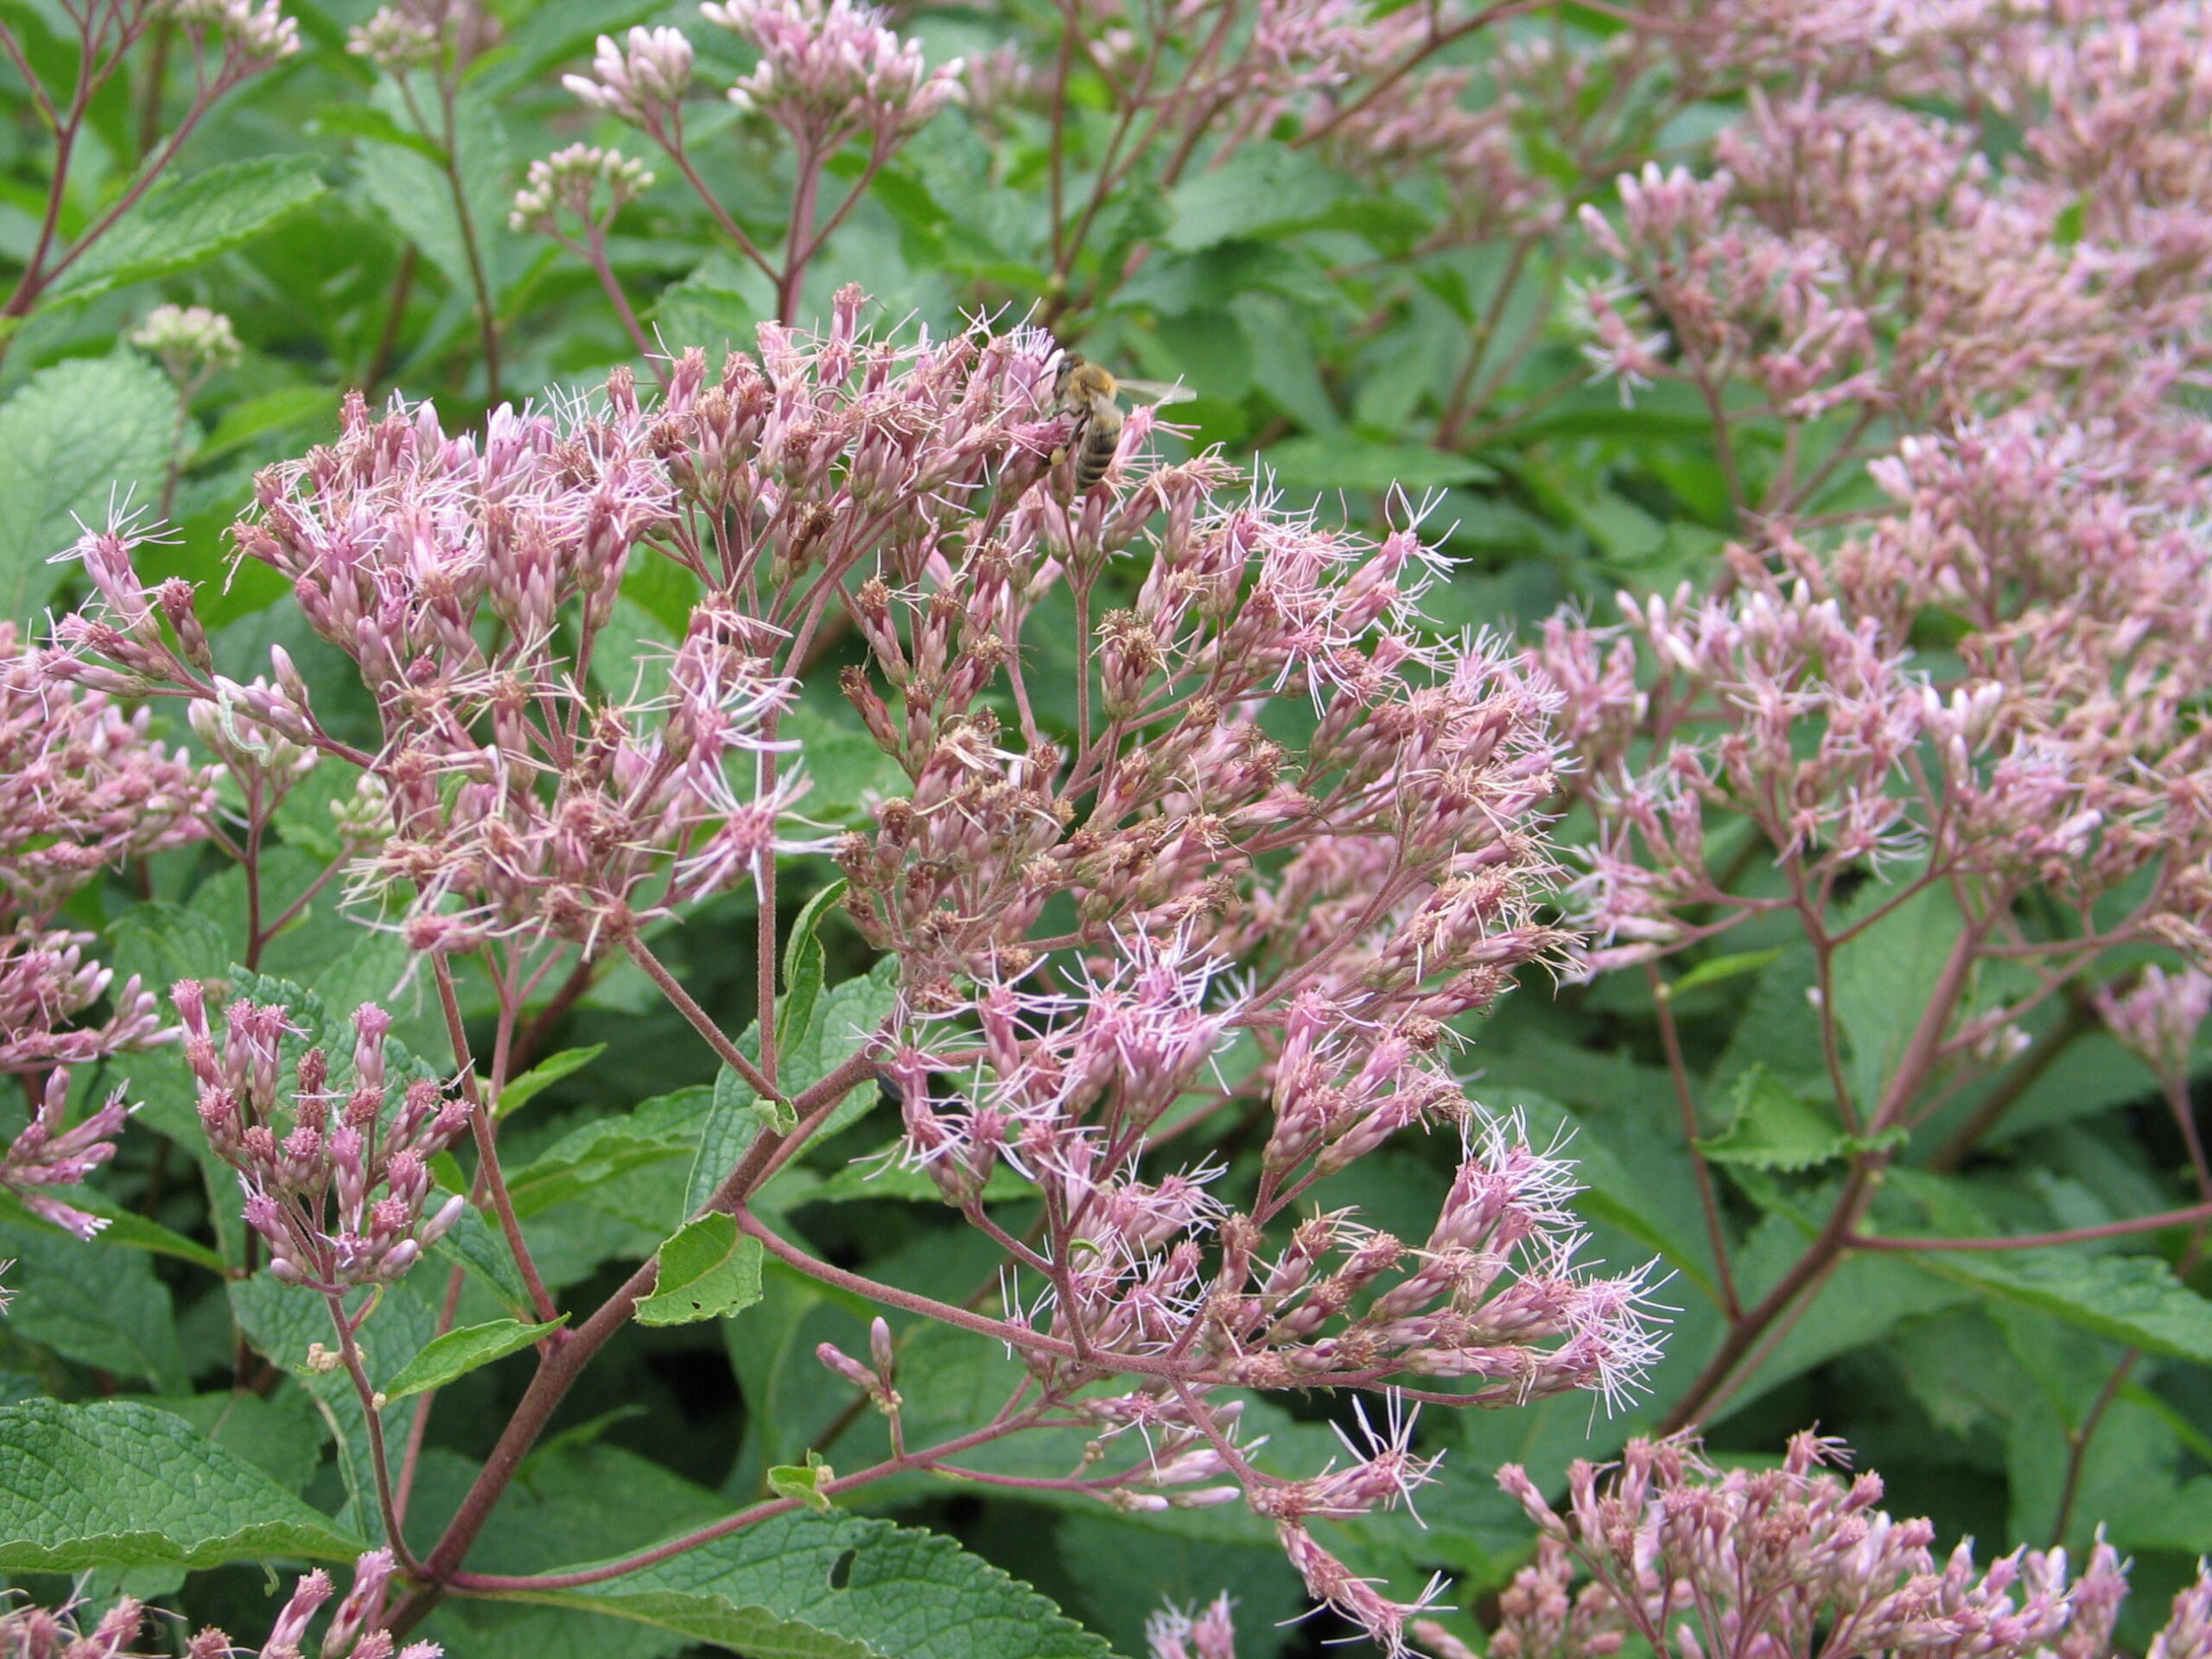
(181, 222)
(273, 411)
(1342, 462)
(92, 1304)
(848, 1017)
(281, 1434)
(415, 193)
(574, 1496)
(481, 1252)
(839, 1586)
(75, 437)
(1637, 1175)
(459, 1352)
(1263, 187)
(284, 1323)
(804, 1481)
(162, 943)
(1775, 1127)
(589, 1157)
(521, 1090)
(118, 1484)
(1885, 979)
(2134, 1299)
(845, 768)
(553, 30)
(732, 1121)
(1714, 969)
(362, 121)
(881, 1176)
(1862, 1302)
(802, 963)
(126, 1228)
(707, 1271)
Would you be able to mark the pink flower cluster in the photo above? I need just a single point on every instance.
(830, 70)
(1791, 1562)
(1207, 1632)
(50, 1153)
(336, 1180)
(2157, 1017)
(82, 785)
(46, 982)
(355, 1630)
(1858, 251)
(1107, 932)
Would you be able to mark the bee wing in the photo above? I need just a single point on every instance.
(1155, 391)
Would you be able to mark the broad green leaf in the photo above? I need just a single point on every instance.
(589, 1157)
(1773, 1126)
(849, 1015)
(72, 438)
(802, 963)
(1263, 187)
(707, 1271)
(362, 121)
(118, 1484)
(521, 1090)
(1777, 1028)
(92, 1303)
(283, 1323)
(1173, 283)
(2127, 1474)
(789, 1400)
(2178, 1519)
(280, 1433)
(414, 193)
(732, 1121)
(881, 1176)
(368, 970)
(839, 1586)
(550, 31)
(181, 222)
(1637, 1174)
(161, 943)
(482, 1251)
(280, 410)
(1865, 1299)
(1126, 1570)
(1340, 462)
(125, 1227)
(1714, 969)
(571, 1497)
(459, 1352)
(2134, 1299)
(1883, 980)
(845, 769)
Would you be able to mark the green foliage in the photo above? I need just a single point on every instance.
(181, 222)
(840, 1587)
(706, 1272)
(117, 1483)
(1352, 339)
(72, 438)
(458, 1352)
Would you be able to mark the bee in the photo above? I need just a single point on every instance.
(1087, 391)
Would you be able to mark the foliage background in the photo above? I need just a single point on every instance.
(1334, 331)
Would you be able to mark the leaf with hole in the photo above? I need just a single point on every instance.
(707, 1271)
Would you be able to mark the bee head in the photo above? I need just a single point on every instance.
(1087, 382)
